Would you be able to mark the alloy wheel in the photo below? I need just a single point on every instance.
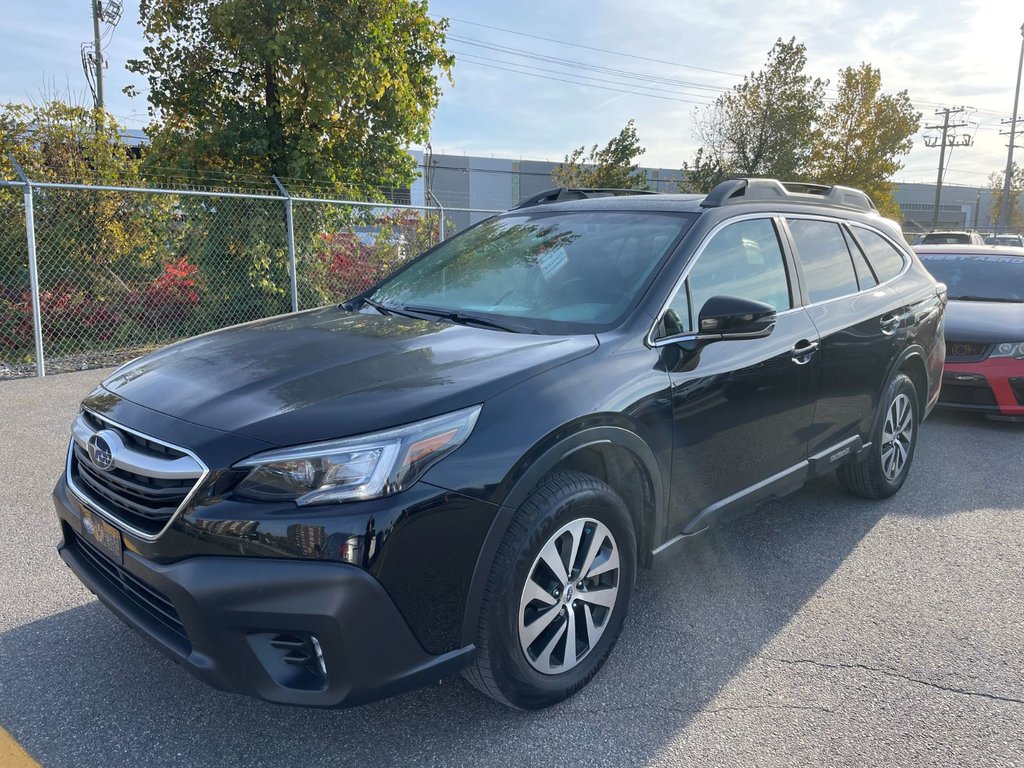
(569, 596)
(897, 434)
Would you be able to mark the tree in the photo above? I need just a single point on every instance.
(312, 89)
(995, 183)
(765, 125)
(863, 136)
(610, 167)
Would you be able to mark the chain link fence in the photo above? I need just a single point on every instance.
(124, 270)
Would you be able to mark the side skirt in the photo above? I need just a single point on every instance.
(778, 485)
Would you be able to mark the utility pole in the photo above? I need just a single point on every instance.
(97, 51)
(103, 12)
(945, 141)
(1004, 204)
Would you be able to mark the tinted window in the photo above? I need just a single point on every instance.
(743, 259)
(828, 269)
(969, 277)
(860, 264)
(885, 259)
(946, 238)
(565, 272)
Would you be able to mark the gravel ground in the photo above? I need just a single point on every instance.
(69, 363)
(819, 630)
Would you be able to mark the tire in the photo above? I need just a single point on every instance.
(566, 511)
(888, 462)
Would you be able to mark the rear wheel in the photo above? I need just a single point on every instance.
(557, 594)
(893, 440)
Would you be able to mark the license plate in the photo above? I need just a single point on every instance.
(101, 533)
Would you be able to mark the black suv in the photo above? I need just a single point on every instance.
(462, 469)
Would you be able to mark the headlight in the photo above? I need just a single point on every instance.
(1009, 349)
(363, 467)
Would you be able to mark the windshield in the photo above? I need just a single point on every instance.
(979, 278)
(554, 272)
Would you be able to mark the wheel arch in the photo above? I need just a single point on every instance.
(613, 454)
(912, 363)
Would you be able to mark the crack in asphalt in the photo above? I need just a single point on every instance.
(898, 676)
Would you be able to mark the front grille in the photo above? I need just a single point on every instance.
(149, 483)
(966, 393)
(144, 502)
(1017, 385)
(142, 596)
(966, 351)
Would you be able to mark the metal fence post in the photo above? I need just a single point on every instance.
(33, 270)
(289, 226)
(440, 228)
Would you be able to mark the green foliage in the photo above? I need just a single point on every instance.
(702, 173)
(863, 136)
(995, 183)
(57, 142)
(311, 89)
(762, 127)
(610, 167)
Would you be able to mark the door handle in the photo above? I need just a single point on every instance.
(890, 323)
(803, 350)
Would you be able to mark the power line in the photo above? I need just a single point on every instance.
(987, 113)
(582, 64)
(590, 85)
(590, 47)
(484, 61)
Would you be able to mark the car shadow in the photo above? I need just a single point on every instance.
(79, 688)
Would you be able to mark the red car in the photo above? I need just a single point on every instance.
(984, 369)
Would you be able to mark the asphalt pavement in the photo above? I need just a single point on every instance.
(819, 630)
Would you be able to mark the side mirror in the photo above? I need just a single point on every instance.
(730, 317)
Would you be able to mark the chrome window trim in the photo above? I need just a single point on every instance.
(649, 339)
(92, 505)
(850, 223)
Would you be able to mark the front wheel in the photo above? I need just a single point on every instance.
(557, 595)
(893, 440)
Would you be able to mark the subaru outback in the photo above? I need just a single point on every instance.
(462, 469)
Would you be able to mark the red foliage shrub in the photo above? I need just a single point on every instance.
(348, 262)
(170, 298)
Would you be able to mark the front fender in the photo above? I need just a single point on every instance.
(537, 463)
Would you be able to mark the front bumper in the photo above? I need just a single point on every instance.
(233, 621)
(994, 386)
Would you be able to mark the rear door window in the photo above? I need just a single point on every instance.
(865, 277)
(827, 266)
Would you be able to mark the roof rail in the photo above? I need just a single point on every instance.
(736, 191)
(560, 194)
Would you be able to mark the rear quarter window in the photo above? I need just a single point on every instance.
(885, 259)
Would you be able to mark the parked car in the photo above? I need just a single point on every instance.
(463, 468)
(949, 238)
(1014, 241)
(984, 369)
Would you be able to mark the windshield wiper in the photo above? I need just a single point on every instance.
(986, 298)
(384, 309)
(465, 318)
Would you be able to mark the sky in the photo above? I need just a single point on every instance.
(517, 95)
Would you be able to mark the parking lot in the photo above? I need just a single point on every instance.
(820, 630)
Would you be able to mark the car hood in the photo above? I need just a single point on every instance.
(984, 321)
(331, 373)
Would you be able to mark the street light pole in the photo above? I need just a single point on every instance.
(1004, 204)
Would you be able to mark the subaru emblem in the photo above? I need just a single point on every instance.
(100, 452)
